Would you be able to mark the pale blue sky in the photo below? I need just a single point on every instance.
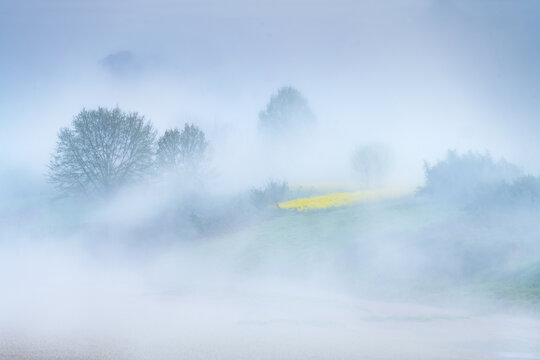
(462, 74)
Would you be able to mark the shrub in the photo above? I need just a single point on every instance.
(524, 192)
(272, 193)
(467, 176)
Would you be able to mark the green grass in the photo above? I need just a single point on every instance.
(337, 245)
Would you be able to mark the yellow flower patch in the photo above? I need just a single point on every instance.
(339, 199)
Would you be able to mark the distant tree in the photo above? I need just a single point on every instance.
(168, 149)
(371, 164)
(287, 108)
(182, 150)
(103, 150)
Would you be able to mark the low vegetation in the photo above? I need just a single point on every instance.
(451, 234)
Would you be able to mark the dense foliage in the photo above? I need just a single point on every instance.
(467, 176)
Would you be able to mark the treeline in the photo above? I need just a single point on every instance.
(105, 149)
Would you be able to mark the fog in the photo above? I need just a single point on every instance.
(431, 103)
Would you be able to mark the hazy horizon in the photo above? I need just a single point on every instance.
(422, 76)
(392, 215)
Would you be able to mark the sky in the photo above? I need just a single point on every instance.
(415, 77)
(422, 75)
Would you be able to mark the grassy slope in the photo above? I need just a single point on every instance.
(393, 247)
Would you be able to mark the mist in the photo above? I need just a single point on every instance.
(386, 208)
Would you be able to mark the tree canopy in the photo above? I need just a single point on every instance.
(103, 149)
(287, 108)
(182, 149)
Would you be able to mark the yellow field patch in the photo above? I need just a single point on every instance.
(341, 199)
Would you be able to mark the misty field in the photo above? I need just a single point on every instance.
(403, 277)
(269, 179)
(171, 265)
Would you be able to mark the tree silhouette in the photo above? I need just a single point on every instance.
(286, 109)
(182, 150)
(104, 149)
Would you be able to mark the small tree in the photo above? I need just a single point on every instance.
(371, 164)
(104, 149)
(286, 108)
(182, 150)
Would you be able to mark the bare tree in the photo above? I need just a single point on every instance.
(183, 150)
(104, 149)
